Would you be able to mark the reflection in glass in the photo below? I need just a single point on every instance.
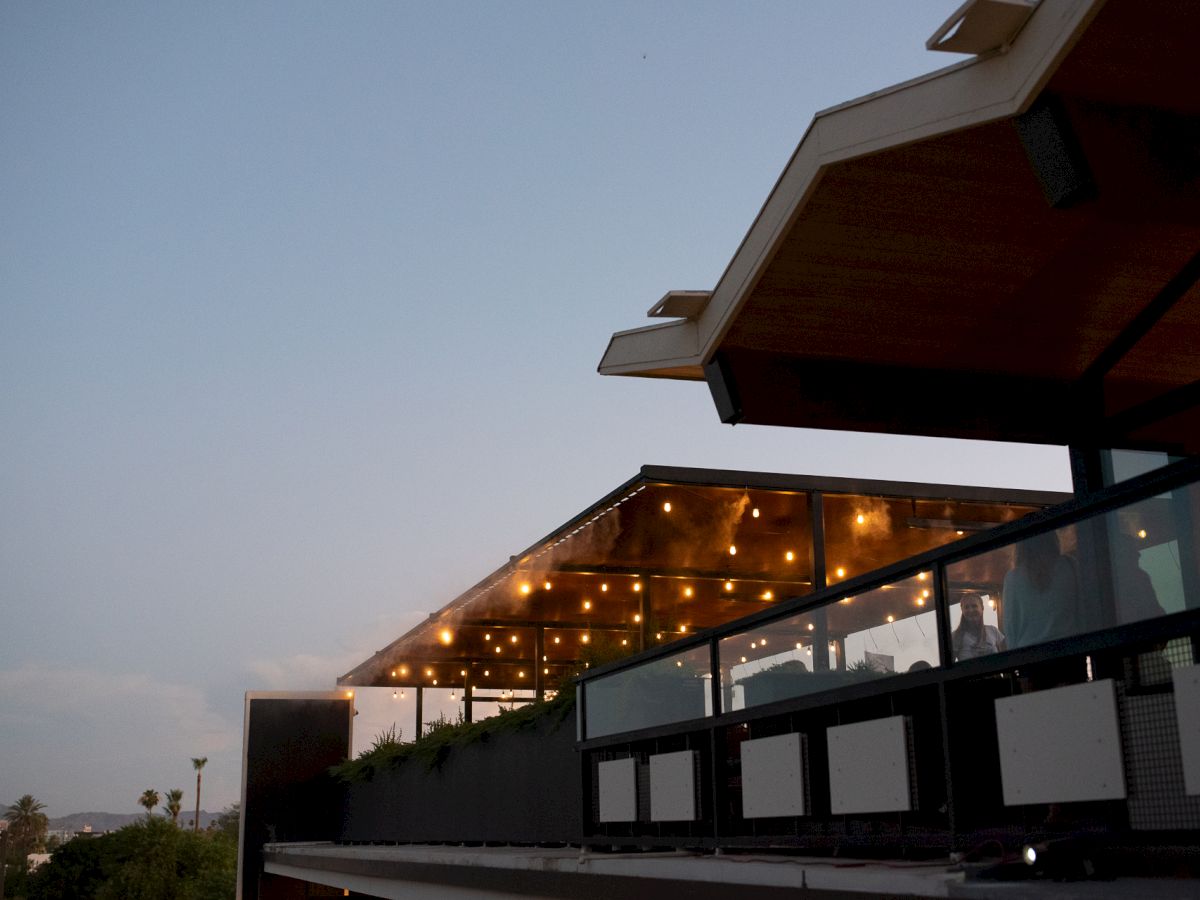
(672, 689)
(880, 632)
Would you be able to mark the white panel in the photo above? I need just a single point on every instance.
(773, 777)
(868, 767)
(673, 786)
(618, 790)
(1187, 711)
(1060, 745)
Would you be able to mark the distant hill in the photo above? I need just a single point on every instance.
(102, 821)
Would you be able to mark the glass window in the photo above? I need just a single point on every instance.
(867, 533)
(672, 689)
(884, 631)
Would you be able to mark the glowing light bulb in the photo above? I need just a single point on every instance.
(637, 585)
(393, 673)
(743, 659)
(991, 604)
(920, 601)
(921, 576)
(545, 671)
(428, 672)
(547, 585)
(487, 635)
(446, 636)
(959, 532)
(1142, 533)
(762, 642)
(687, 592)
(768, 595)
(497, 648)
(840, 572)
(452, 697)
(658, 637)
(513, 638)
(754, 512)
(667, 506)
(462, 672)
(587, 604)
(729, 585)
(558, 640)
(811, 626)
(683, 629)
(732, 550)
(586, 638)
(860, 518)
(486, 673)
(624, 642)
(789, 556)
(526, 588)
(402, 695)
(349, 693)
(393, 695)
(798, 645)
(637, 617)
(604, 587)
(404, 670)
(753, 645)
(435, 682)
(544, 657)
(891, 618)
(521, 674)
(925, 593)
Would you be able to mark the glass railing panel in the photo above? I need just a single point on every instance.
(671, 689)
(1128, 565)
(874, 634)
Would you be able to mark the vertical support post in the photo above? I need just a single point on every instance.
(467, 701)
(420, 710)
(816, 505)
(941, 607)
(1087, 470)
(716, 753)
(644, 607)
(539, 650)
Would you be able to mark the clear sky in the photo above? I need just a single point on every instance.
(300, 310)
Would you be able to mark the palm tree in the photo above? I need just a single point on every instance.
(198, 764)
(27, 825)
(149, 799)
(174, 804)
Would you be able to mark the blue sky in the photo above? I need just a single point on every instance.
(300, 309)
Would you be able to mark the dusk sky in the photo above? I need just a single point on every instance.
(300, 311)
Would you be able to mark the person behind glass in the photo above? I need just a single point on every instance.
(1041, 594)
(972, 637)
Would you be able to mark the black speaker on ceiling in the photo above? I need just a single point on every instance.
(1055, 153)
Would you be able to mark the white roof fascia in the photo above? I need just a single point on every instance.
(973, 92)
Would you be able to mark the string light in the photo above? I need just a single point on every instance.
(428, 672)
(547, 586)
(920, 601)
(743, 659)
(811, 626)
(789, 556)
(1142, 533)
(587, 604)
(679, 664)
(393, 673)
(545, 671)
(624, 642)
(526, 588)
(462, 672)
(557, 640)
(446, 636)
(586, 638)
(667, 506)
(497, 648)
(393, 695)
(762, 642)
(513, 638)
(860, 518)
(840, 572)
(921, 576)
(732, 550)
(753, 645)
(891, 618)
(435, 682)
(521, 674)
(754, 512)
(402, 695)
(683, 629)
(959, 532)
(604, 587)
(658, 637)
(404, 670)
(637, 585)
(486, 673)
(925, 593)
(637, 617)
(487, 635)
(768, 595)
(687, 592)
(729, 585)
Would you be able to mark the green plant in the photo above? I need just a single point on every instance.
(443, 736)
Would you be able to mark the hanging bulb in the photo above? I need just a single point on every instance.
(667, 506)
(754, 512)
(393, 695)
(860, 519)
(687, 592)
(789, 556)
(604, 587)
(732, 550)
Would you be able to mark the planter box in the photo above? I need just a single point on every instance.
(516, 787)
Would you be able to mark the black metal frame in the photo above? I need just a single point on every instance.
(944, 677)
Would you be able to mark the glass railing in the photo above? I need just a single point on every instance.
(1085, 568)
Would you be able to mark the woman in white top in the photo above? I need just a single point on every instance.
(972, 637)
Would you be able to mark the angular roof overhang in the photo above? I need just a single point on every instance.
(1006, 249)
(668, 532)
